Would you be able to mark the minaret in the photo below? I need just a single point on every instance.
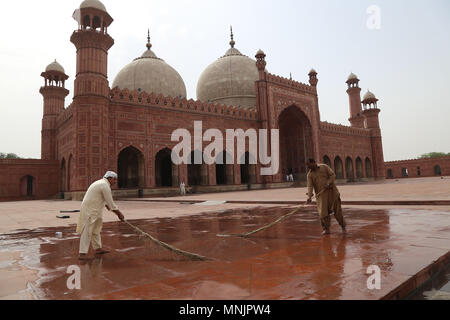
(92, 42)
(354, 94)
(91, 95)
(313, 78)
(371, 122)
(54, 93)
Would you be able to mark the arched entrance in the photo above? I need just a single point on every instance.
(195, 170)
(327, 161)
(338, 168)
(248, 171)
(63, 175)
(437, 170)
(349, 169)
(166, 174)
(70, 173)
(390, 174)
(27, 186)
(224, 171)
(296, 144)
(359, 168)
(131, 168)
(368, 168)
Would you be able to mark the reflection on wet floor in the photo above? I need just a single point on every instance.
(289, 261)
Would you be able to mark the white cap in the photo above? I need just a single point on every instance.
(111, 174)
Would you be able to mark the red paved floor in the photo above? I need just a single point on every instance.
(289, 261)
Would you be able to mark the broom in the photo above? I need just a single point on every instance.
(190, 255)
(267, 226)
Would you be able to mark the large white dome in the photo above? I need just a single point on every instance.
(230, 80)
(152, 75)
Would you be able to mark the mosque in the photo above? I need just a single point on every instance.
(127, 126)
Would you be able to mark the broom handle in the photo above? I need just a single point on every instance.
(279, 219)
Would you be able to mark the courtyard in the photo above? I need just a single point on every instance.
(400, 226)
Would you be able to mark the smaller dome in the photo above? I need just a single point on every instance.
(260, 52)
(93, 4)
(369, 95)
(313, 71)
(55, 66)
(352, 76)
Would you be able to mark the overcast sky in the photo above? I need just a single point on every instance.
(406, 62)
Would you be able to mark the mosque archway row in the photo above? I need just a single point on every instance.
(136, 171)
(350, 168)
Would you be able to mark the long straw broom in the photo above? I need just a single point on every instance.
(190, 255)
(267, 226)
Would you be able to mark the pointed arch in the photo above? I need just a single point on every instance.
(166, 173)
(359, 168)
(368, 168)
(327, 161)
(437, 170)
(338, 168)
(224, 168)
(248, 170)
(63, 177)
(349, 172)
(296, 144)
(131, 168)
(27, 186)
(196, 172)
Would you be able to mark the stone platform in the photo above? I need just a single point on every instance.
(290, 261)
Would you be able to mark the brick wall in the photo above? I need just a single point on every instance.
(418, 168)
(28, 179)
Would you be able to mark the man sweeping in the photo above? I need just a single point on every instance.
(90, 223)
(321, 178)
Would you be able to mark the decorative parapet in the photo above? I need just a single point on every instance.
(290, 83)
(338, 128)
(64, 116)
(446, 158)
(34, 162)
(153, 100)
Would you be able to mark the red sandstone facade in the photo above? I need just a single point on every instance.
(130, 132)
(417, 168)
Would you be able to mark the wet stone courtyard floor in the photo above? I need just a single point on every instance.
(288, 261)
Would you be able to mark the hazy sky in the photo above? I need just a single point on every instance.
(406, 63)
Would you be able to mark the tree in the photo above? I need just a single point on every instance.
(8, 156)
(434, 155)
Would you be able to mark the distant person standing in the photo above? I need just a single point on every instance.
(90, 223)
(321, 178)
(183, 188)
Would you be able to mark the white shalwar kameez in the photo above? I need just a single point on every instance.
(90, 222)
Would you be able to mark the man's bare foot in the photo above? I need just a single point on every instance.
(326, 232)
(84, 256)
(101, 251)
